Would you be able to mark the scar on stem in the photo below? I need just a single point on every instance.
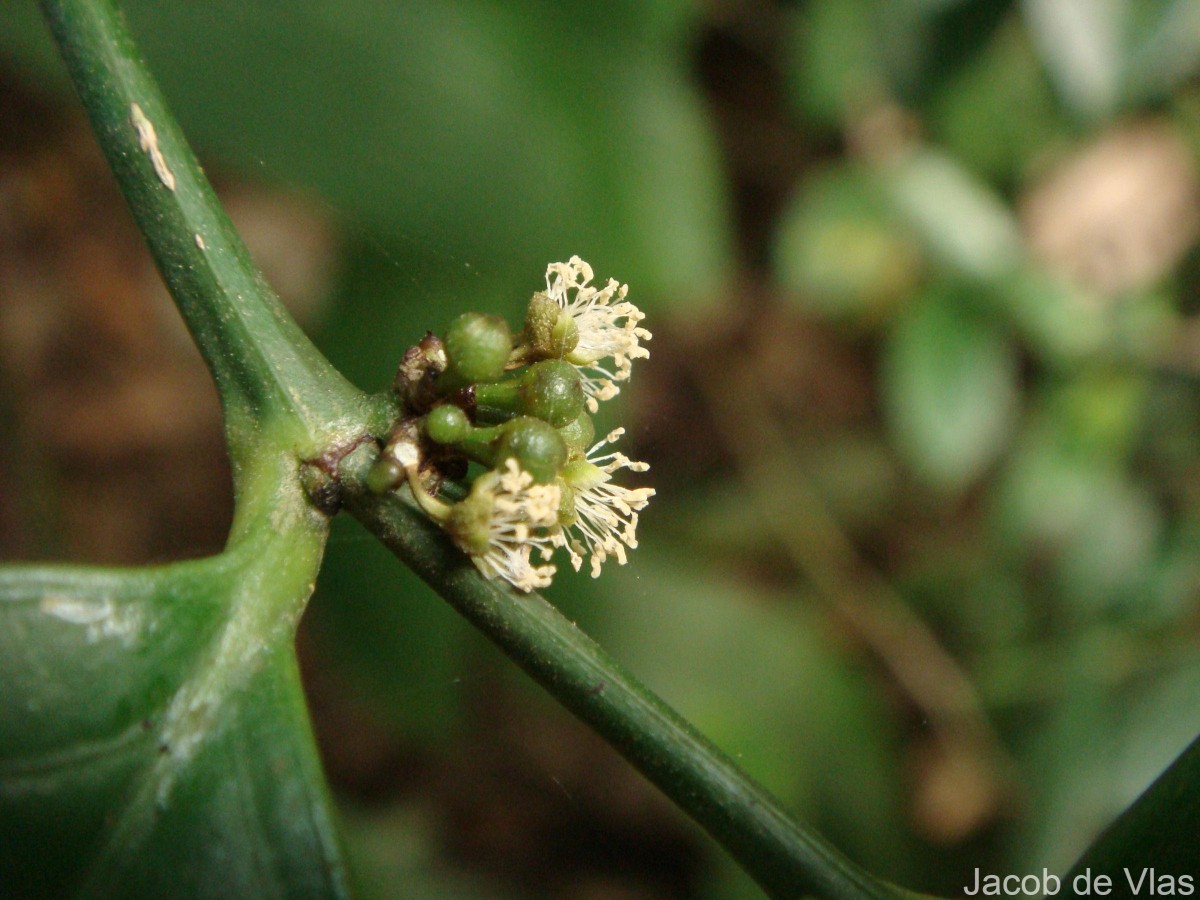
(148, 140)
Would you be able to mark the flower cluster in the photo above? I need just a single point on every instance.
(520, 406)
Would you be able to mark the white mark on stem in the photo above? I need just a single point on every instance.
(148, 139)
(200, 242)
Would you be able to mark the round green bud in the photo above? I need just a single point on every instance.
(385, 475)
(550, 332)
(447, 424)
(535, 445)
(551, 390)
(578, 435)
(477, 349)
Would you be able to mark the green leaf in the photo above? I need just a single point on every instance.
(152, 727)
(959, 218)
(1166, 52)
(840, 249)
(1082, 44)
(1132, 730)
(996, 112)
(151, 738)
(949, 388)
(1159, 830)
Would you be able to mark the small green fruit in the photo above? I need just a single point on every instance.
(477, 349)
(550, 332)
(447, 424)
(535, 445)
(551, 390)
(385, 475)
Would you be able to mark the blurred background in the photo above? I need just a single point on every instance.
(922, 405)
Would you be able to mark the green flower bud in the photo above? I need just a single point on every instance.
(385, 475)
(535, 445)
(447, 424)
(551, 390)
(550, 332)
(477, 349)
(578, 435)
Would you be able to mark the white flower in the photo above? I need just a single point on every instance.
(606, 514)
(503, 521)
(605, 328)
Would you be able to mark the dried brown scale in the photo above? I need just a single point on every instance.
(437, 463)
(417, 374)
(464, 399)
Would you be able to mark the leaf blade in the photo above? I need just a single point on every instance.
(117, 799)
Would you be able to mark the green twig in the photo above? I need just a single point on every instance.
(264, 366)
(268, 373)
(784, 858)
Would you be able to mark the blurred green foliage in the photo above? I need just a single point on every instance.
(1019, 464)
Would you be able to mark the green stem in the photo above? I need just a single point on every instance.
(264, 366)
(282, 398)
(783, 857)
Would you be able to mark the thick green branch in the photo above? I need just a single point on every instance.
(784, 858)
(263, 364)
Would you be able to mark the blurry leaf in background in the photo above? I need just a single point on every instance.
(836, 69)
(1167, 48)
(1058, 320)
(379, 628)
(850, 58)
(1131, 735)
(1067, 498)
(997, 115)
(840, 250)
(1083, 44)
(949, 387)
(1107, 54)
(436, 122)
(768, 683)
(960, 219)
(394, 853)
